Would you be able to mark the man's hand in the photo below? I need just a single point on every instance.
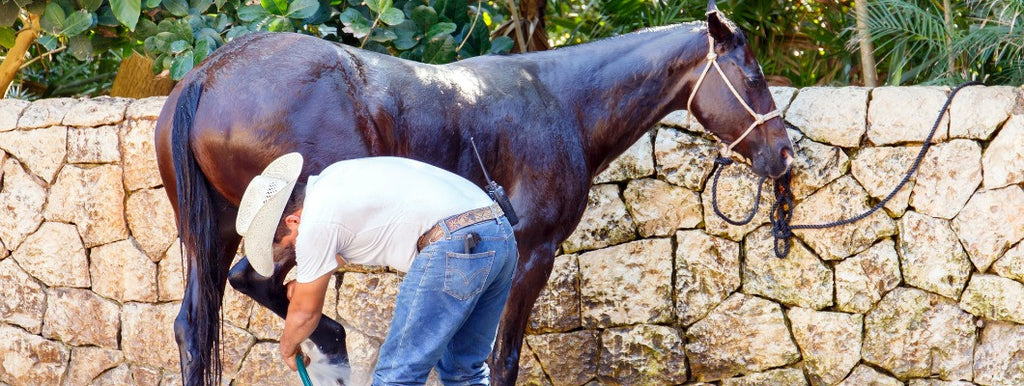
(304, 310)
(290, 359)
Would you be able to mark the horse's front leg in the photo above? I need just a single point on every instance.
(531, 277)
(270, 292)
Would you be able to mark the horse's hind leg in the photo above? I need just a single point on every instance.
(530, 279)
(270, 292)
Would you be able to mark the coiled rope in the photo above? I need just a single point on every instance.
(782, 209)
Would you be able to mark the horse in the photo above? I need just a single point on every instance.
(545, 124)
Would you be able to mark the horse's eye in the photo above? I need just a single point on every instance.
(755, 83)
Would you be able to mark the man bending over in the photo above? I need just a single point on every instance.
(452, 241)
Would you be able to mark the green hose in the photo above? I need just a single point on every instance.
(300, 363)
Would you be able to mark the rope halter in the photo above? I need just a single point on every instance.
(759, 119)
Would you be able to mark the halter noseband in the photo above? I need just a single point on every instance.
(759, 119)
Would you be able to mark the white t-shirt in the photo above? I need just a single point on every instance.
(373, 210)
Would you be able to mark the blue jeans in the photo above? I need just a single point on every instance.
(448, 308)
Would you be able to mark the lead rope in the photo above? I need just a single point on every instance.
(782, 209)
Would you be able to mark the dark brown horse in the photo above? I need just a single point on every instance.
(546, 123)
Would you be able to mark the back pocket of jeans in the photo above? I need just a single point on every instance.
(465, 275)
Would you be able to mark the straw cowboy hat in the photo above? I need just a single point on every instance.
(261, 208)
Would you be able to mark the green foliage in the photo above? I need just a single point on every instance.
(180, 34)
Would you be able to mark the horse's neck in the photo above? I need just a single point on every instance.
(619, 88)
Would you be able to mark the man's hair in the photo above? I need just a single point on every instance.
(294, 204)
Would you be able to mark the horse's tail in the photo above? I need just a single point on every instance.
(197, 227)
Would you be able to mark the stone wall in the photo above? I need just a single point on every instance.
(652, 288)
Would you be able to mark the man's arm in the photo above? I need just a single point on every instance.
(307, 303)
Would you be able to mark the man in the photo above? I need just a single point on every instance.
(453, 242)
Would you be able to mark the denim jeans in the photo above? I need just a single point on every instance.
(448, 308)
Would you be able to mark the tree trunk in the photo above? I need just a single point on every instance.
(135, 79)
(947, 14)
(16, 56)
(526, 26)
(867, 47)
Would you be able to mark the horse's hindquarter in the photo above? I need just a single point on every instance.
(273, 94)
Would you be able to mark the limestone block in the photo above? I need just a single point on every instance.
(1011, 265)
(627, 284)
(10, 111)
(363, 353)
(642, 355)
(265, 324)
(990, 223)
(782, 96)
(530, 372)
(841, 199)
(151, 220)
(45, 112)
(947, 177)
(906, 114)
(147, 334)
(145, 376)
(80, 317)
(91, 198)
(937, 382)
(931, 256)
(880, 169)
(829, 342)
(42, 151)
(367, 302)
(138, 155)
(835, 116)
(799, 279)
(1003, 160)
(789, 377)
(659, 208)
(234, 344)
(605, 222)
(682, 119)
(636, 162)
(54, 254)
(683, 159)
(93, 145)
(236, 308)
(865, 375)
(22, 300)
(815, 166)
(994, 298)
(89, 362)
(263, 366)
(912, 333)
(744, 335)
(707, 271)
(145, 108)
(22, 198)
(171, 379)
(569, 358)
(120, 375)
(863, 279)
(558, 307)
(96, 111)
(737, 188)
(170, 276)
(997, 357)
(976, 112)
(31, 360)
(121, 271)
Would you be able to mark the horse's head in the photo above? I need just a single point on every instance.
(731, 99)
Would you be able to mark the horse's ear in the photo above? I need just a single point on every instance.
(720, 28)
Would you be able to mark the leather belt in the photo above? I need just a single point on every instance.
(457, 222)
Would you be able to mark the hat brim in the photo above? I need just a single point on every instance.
(259, 234)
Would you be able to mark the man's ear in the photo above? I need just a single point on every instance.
(721, 29)
(292, 221)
